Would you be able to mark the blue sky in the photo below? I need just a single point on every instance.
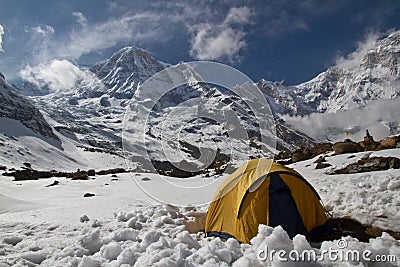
(277, 40)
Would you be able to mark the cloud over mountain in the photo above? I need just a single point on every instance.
(376, 117)
(353, 59)
(57, 74)
(1, 38)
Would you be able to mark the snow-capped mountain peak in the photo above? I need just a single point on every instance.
(373, 74)
(123, 72)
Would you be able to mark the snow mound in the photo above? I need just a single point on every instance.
(168, 244)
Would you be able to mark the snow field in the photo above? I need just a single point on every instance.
(122, 226)
(155, 235)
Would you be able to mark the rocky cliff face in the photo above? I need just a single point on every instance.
(375, 76)
(17, 107)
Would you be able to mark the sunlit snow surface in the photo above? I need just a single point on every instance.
(42, 225)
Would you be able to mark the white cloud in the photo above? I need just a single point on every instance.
(46, 30)
(96, 36)
(1, 38)
(240, 15)
(224, 40)
(354, 59)
(376, 117)
(57, 74)
(210, 40)
(80, 17)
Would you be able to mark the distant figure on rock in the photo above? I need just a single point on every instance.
(367, 136)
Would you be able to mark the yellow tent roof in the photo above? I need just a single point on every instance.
(238, 207)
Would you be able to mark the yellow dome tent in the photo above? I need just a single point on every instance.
(264, 192)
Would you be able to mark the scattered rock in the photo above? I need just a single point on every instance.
(91, 172)
(370, 164)
(303, 153)
(114, 179)
(285, 161)
(320, 159)
(84, 218)
(390, 142)
(53, 184)
(88, 195)
(369, 145)
(114, 175)
(347, 146)
(28, 165)
(22, 175)
(111, 171)
(322, 165)
(283, 155)
(79, 175)
(146, 179)
(182, 169)
(3, 168)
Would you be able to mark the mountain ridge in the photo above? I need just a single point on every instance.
(15, 106)
(92, 111)
(374, 76)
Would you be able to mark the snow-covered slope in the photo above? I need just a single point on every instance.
(15, 106)
(56, 226)
(28, 136)
(92, 111)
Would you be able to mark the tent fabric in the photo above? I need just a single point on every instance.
(264, 192)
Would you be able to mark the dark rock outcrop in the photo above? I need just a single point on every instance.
(369, 165)
(79, 175)
(320, 159)
(304, 153)
(22, 175)
(370, 145)
(390, 142)
(322, 165)
(347, 146)
(53, 184)
(111, 171)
